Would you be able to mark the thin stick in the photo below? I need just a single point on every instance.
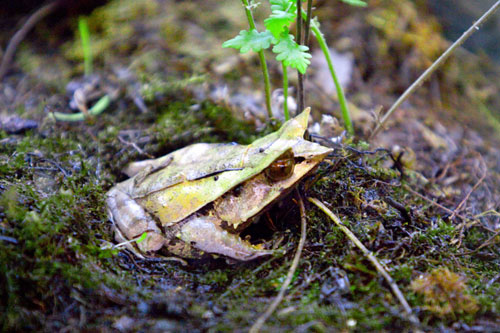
(434, 66)
(295, 263)
(449, 211)
(467, 196)
(21, 33)
(395, 289)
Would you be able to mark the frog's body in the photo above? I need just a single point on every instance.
(199, 198)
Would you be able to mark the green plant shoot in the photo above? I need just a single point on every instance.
(87, 52)
(287, 50)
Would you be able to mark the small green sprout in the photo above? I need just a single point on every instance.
(83, 27)
(136, 240)
(289, 53)
(141, 238)
(95, 110)
(287, 50)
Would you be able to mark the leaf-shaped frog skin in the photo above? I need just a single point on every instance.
(197, 199)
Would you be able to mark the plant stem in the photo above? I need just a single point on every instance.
(340, 93)
(308, 23)
(263, 64)
(434, 66)
(285, 91)
(95, 110)
(301, 77)
(87, 52)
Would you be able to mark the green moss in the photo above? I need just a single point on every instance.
(50, 231)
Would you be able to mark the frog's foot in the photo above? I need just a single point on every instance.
(130, 221)
(203, 234)
(146, 167)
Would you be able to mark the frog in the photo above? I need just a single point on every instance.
(196, 201)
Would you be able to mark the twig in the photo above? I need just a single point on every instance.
(21, 33)
(135, 146)
(449, 211)
(488, 242)
(262, 319)
(435, 66)
(464, 200)
(395, 289)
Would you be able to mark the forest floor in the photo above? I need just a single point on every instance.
(429, 214)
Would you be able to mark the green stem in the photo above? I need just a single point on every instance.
(95, 110)
(300, 84)
(87, 52)
(285, 92)
(263, 64)
(340, 93)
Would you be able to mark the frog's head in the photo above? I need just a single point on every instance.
(278, 162)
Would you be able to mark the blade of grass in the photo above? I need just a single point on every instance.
(83, 27)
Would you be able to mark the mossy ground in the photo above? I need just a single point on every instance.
(55, 275)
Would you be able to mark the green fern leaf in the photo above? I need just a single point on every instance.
(250, 40)
(283, 13)
(291, 53)
(284, 5)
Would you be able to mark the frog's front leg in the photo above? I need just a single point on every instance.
(203, 233)
(146, 167)
(132, 220)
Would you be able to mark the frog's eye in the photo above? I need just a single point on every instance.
(282, 167)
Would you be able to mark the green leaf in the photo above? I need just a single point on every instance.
(284, 5)
(358, 3)
(291, 53)
(142, 238)
(250, 40)
(283, 13)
